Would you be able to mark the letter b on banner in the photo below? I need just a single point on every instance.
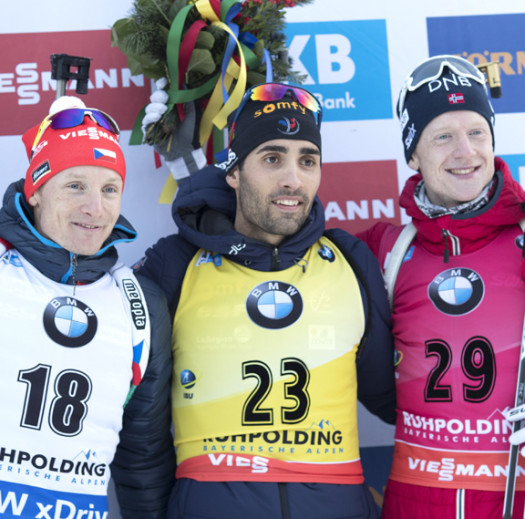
(348, 74)
(334, 64)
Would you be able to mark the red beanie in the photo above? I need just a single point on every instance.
(87, 144)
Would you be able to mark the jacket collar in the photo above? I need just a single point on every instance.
(472, 229)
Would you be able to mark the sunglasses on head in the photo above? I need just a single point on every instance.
(432, 69)
(72, 117)
(276, 92)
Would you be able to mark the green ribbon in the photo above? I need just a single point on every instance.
(136, 136)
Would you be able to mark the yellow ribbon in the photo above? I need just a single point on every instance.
(168, 191)
(206, 10)
(216, 100)
(216, 112)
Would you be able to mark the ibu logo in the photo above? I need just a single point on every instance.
(346, 67)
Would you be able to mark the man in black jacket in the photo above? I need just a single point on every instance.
(270, 317)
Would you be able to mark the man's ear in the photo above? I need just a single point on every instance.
(33, 200)
(413, 163)
(232, 177)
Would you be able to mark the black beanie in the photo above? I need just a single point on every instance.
(261, 121)
(450, 92)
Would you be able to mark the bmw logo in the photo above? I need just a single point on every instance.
(456, 291)
(69, 322)
(326, 253)
(274, 305)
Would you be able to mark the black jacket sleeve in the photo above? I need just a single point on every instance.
(375, 361)
(144, 465)
(165, 263)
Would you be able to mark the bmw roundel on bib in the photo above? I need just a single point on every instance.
(274, 304)
(456, 291)
(69, 322)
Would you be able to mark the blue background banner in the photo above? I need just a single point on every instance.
(347, 64)
(486, 38)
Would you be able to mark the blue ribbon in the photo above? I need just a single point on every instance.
(230, 47)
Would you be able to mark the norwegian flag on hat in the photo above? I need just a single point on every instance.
(455, 99)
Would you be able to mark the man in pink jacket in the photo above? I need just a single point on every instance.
(458, 302)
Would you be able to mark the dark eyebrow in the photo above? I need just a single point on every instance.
(272, 147)
(310, 151)
(284, 149)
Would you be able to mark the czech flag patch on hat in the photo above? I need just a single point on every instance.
(106, 155)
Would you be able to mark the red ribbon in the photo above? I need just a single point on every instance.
(216, 6)
(186, 49)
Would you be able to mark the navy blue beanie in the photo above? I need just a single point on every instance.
(450, 92)
(262, 121)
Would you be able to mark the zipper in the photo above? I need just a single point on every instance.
(74, 264)
(276, 259)
(454, 242)
(302, 263)
(523, 258)
(283, 499)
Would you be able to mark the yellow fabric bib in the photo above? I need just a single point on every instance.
(264, 382)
